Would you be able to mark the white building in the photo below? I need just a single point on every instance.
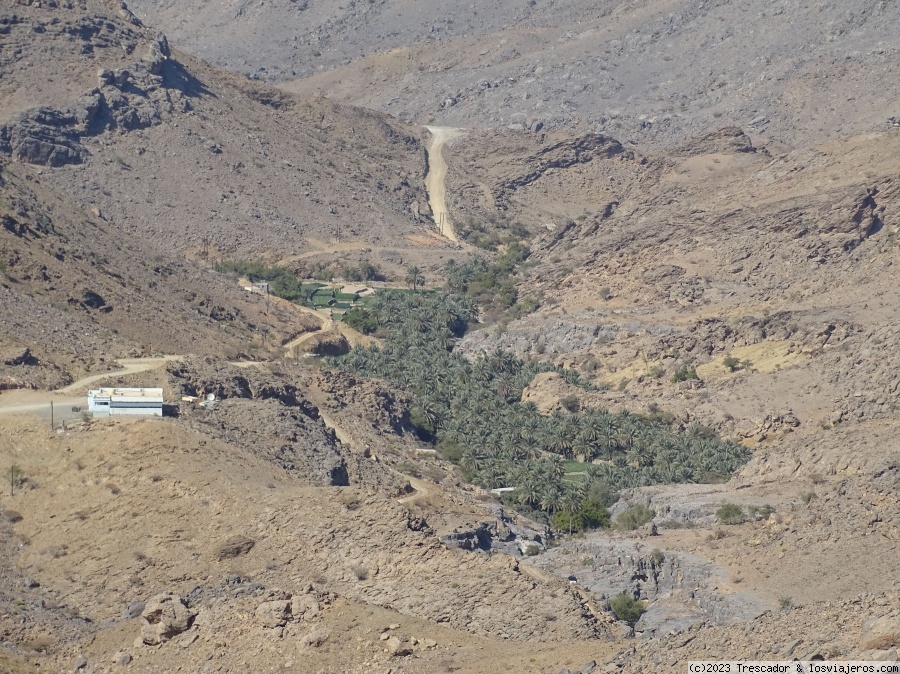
(121, 401)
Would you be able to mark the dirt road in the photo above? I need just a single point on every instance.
(24, 401)
(437, 173)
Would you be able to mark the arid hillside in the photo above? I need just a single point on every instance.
(648, 415)
(200, 161)
(651, 72)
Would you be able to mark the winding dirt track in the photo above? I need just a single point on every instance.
(436, 178)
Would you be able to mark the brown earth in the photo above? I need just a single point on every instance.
(298, 518)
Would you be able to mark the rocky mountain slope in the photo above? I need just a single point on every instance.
(713, 242)
(652, 72)
(203, 162)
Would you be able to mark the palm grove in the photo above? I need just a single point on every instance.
(472, 410)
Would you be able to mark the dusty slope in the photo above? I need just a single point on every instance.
(645, 70)
(75, 294)
(204, 162)
(120, 511)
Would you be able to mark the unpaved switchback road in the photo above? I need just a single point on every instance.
(437, 174)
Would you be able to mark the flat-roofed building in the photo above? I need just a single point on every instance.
(126, 401)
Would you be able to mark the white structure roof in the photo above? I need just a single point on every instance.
(149, 395)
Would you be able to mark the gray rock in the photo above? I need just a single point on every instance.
(235, 547)
(273, 614)
(80, 663)
(165, 616)
(121, 658)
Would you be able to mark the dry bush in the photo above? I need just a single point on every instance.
(360, 572)
(113, 489)
(12, 516)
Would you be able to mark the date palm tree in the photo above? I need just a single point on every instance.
(414, 277)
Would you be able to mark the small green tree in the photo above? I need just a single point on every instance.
(684, 373)
(594, 515)
(627, 609)
(414, 277)
(635, 516)
(731, 513)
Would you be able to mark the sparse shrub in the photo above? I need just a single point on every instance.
(817, 479)
(657, 557)
(605, 293)
(12, 516)
(675, 524)
(571, 403)
(634, 516)
(731, 513)
(684, 373)
(627, 609)
(656, 372)
(785, 603)
(360, 572)
(16, 478)
(731, 363)
(450, 451)
(114, 489)
(807, 497)
(760, 513)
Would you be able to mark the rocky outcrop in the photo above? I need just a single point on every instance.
(681, 588)
(264, 415)
(234, 547)
(165, 616)
(124, 100)
(560, 155)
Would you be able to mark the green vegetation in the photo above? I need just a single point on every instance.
(684, 373)
(471, 409)
(590, 515)
(414, 278)
(491, 284)
(361, 319)
(365, 271)
(635, 517)
(733, 364)
(492, 235)
(731, 513)
(282, 282)
(626, 608)
(15, 478)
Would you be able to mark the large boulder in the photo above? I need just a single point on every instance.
(881, 634)
(235, 547)
(274, 613)
(165, 616)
